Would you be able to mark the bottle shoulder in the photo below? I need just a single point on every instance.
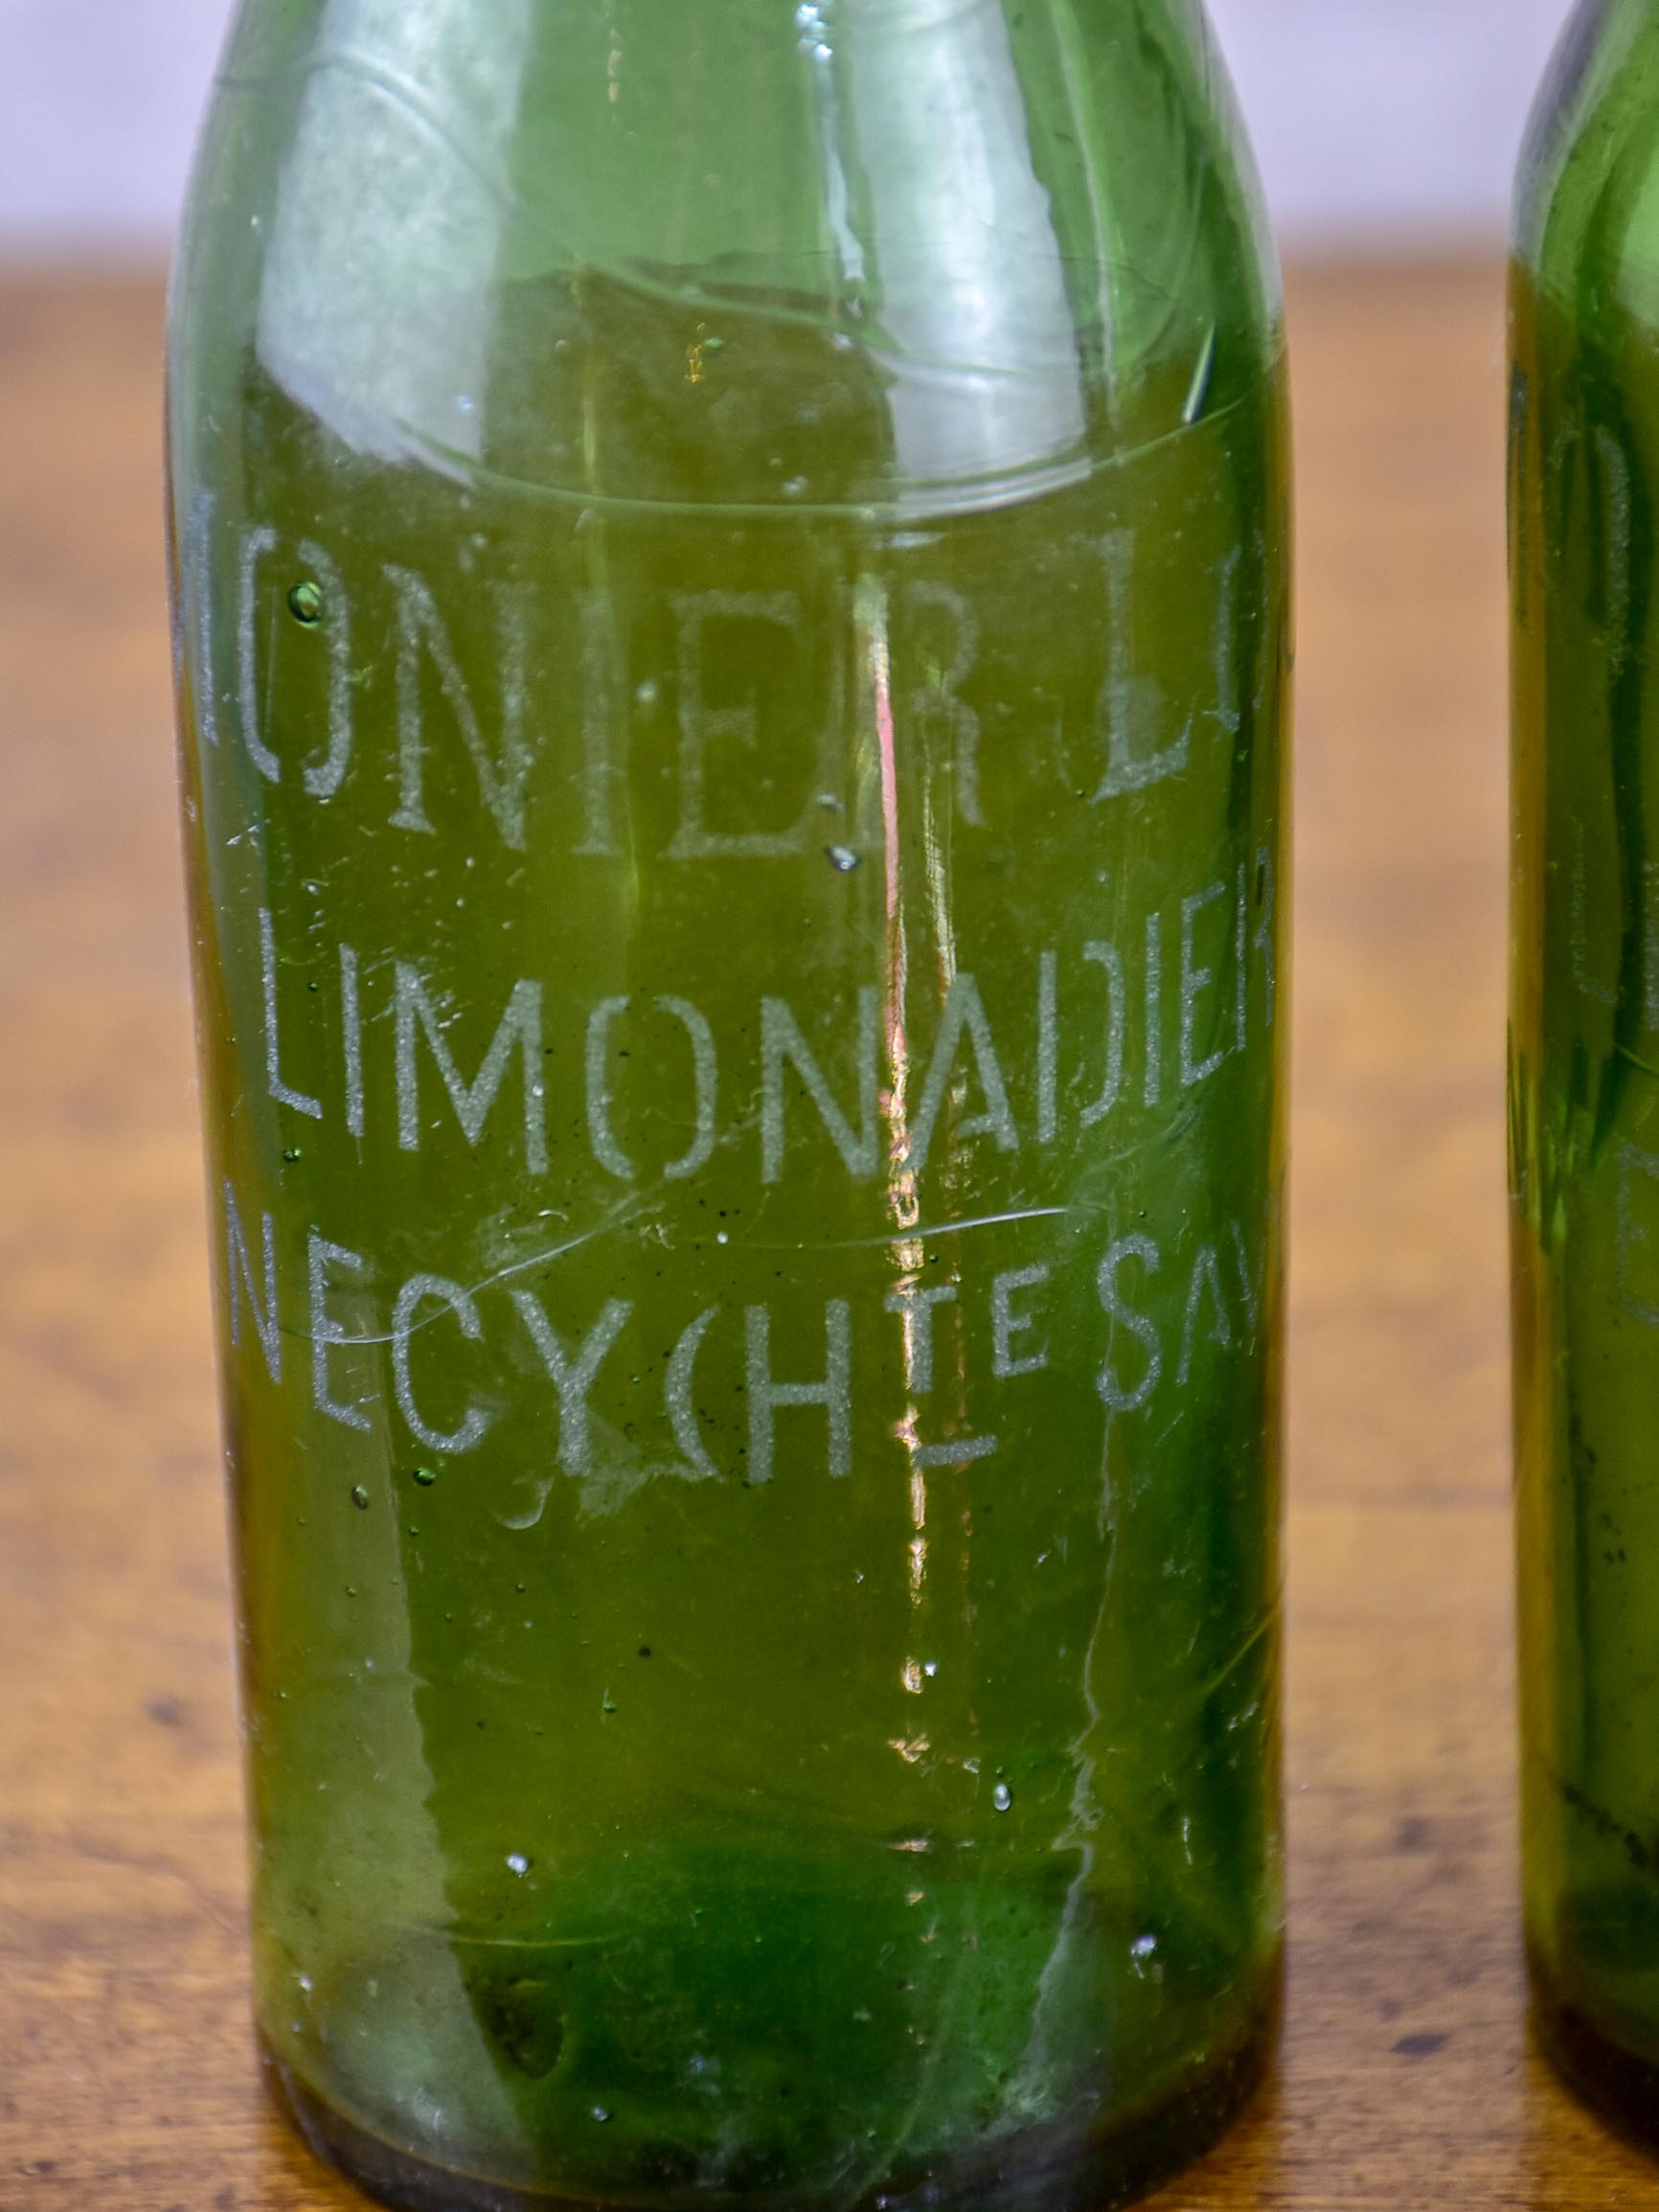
(1587, 205)
(880, 246)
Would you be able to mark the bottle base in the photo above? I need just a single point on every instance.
(1616, 2081)
(1043, 2171)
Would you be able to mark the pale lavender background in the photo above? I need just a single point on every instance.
(1375, 119)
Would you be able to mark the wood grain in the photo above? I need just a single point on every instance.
(127, 2074)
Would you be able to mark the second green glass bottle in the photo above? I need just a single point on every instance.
(1584, 1059)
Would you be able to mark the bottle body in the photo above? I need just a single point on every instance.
(1584, 1047)
(732, 706)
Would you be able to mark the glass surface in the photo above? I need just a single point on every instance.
(1584, 1065)
(731, 578)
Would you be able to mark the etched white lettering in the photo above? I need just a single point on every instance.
(239, 1281)
(1132, 706)
(1119, 1398)
(940, 700)
(256, 544)
(963, 1015)
(573, 1375)
(705, 1068)
(604, 778)
(784, 1046)
(423, 1291)
(195, 615)
(424, 634)
(926, 1458)
(282, 1093)
(705, 1076)
(1241, 961)
(915, 1305)
(1048, 1063)
(599, 1134)
(736, 727)
(834, 1393)
(679, 1395)
(416, 1014)
(1008, 1325)
(323, 778)
(1111, 960)
(1155, 1085)
(1204, 1291)
(351, 1038)
(323, 1261)
(1196, 981)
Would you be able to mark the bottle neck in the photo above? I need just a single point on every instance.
(1598, 44)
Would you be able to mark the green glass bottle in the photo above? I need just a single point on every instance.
(1585, 1054)
(732, 634)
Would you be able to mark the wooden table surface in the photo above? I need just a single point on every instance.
(127, 2071)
